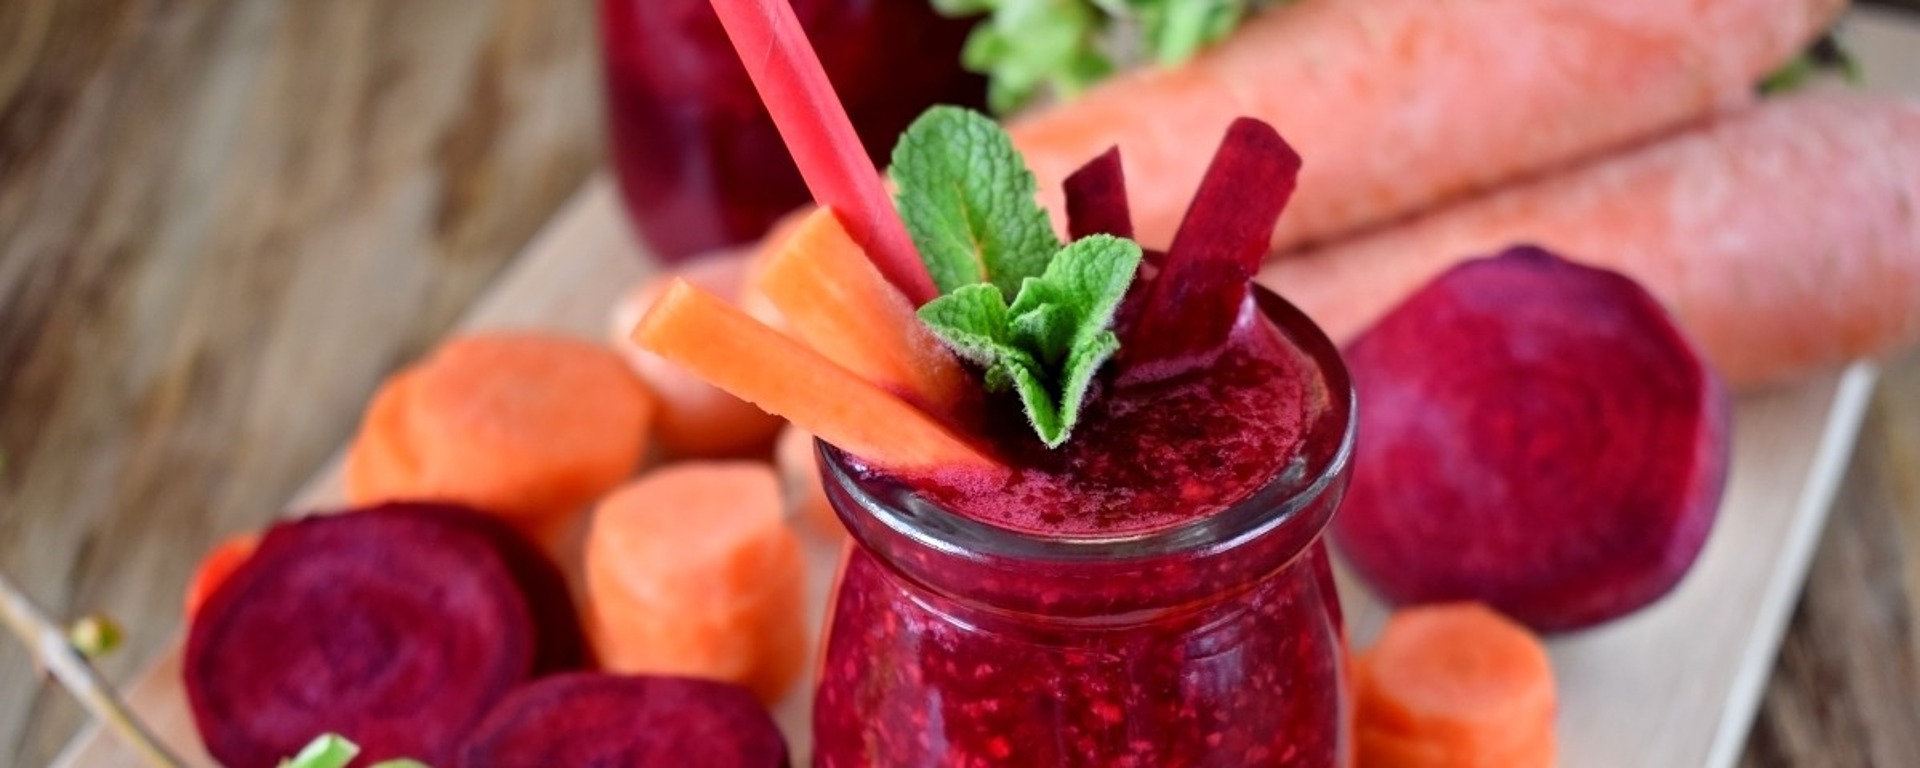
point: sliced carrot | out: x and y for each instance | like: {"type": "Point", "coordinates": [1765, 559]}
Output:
{"type": "Point", "coordinates": [1453, 686]}
{"type": "Point", "coordinates": [800, 481]}
{"type": "Point", "coordinates": [527, 426]}
{"type": "Point", "coordinates": [692, 570]}
{"type": "Point", "coordinates": [760, 365]}
{"type": "Point", "coordinates": [834, 299]}
{"type": "Point", "coordinates": [219, 563]}
{"type": "Point", "coordinates": [695, 418]}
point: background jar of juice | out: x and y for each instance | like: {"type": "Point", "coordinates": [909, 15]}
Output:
{"type": "Point", "coordinates": [699, 162]}
{"type": "Point", "coordinates": [1216, 640]}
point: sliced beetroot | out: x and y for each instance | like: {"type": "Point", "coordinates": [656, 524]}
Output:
{"type": "Point", "coordinates": [1097, 199]}
{"type": "Point", "coordinates": [561, 641]}
{"type": "Point", "coordinates": [1535, 435]}
{"type": "Point", "coordinates": [590, 720]}
{"type": "Point", "coordinates": [396, 627]}
{"type": "Point", "coordinates": [1202, 287]}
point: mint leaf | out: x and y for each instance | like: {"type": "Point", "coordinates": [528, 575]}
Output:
{"type": "Point", "coordinates": [968, 200]}
{"type": "Point", "coordinates": [972, 321]}
{"type": "Point", "coordinates": [1050, 342]}
{"type": "Point", "coordinates": [1081, 289]}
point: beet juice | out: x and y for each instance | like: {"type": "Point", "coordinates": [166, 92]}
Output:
{"type": "Point", "coordinates": [1154, 593]}
{"type": "Point", "coordinates": [698, 159]}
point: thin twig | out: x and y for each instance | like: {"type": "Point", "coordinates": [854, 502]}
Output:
{"type": "Point", "coordinates": [49, 646]}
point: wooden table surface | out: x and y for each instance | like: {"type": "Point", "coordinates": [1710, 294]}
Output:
{"type": "Point", "coordinates": [221, 221]}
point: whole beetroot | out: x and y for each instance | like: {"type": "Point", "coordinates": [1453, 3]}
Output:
{"type": "Point", "coordinates": [1536, 435]}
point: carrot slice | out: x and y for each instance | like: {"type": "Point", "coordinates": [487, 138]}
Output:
{"type": "Point", "coordinates": [219, 563]}
{"type": "Point", "coordinates": [1454, 685]}
{"type": "Point", "coordinates": [760, 365]}
{"type": "Point", "coordinates": [800, 481]}
{"type": "Point", "coordinates": [692, 570]}
{"type": "Point", "coordinates": [794, 86]}
{"type": "Point", "coordinates": [526, 426]}
{"type": "Point", "coordinates": [695, 419]}
{"type": "Point", "coordinates": [834, 299]}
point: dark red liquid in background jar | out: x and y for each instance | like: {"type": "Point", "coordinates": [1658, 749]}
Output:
{"type": "Point", "coordinates": [698, 159]}
{"type": "Point", "coordinates": [1154, 594]}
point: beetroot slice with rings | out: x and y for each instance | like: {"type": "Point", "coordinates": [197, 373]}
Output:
{"type": "Point", "coordinates": [395, 627]}
{"type": "Point", "coordinates": [1536, 435]}
{"type": "Point", "coordinates": [561, 640]}
{"type": "Point", "coordinates": [614, 721]}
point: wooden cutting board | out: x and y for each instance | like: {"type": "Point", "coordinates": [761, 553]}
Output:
{"type": "Point", "coordinates": [1673, 686]}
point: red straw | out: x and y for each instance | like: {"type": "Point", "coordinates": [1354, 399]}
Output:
{"type": "Point", "coordinates": [794, 86]}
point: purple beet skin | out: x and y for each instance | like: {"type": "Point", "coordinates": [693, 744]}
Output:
{"type": "Point", "coordinates": [1536, 435]}
{"type": "Point", "coordinates": [396, 627]}
{"type": "Point", "coordinates": [615, 721]}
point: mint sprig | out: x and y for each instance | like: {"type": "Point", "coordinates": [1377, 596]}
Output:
{"type": "Point", "coordinates": [1035, 316]}
{"type": "Point", "coordinates": [1027, 46]}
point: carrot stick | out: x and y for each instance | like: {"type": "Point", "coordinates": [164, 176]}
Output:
{"type": "Point", "coordinates": [692, 570]}
{"type": "Point", "coordinates": [787, 73]}
{"type": "Point", "coordinates": [695, 419]}
{"type": "Point", "coordinates": [530, 427]}
{"type": "Point", "coordinates": [760, 365]}
{"type": "Point", "coordinates": [1397, 105]}
{"type": "Point", "coordinates": [219, 563]}
{"type": "Point", "coordinates": [1454, 686]}
{"type": "Point", "coordinates": [1784, 237]}
{"type": "Point", "coordinates": [833, 299]}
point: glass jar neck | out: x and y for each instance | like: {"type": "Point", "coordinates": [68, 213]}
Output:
{"type": "Point", "coordinates": [1082, 579]}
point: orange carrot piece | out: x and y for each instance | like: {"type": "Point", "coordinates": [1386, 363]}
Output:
{"type": "Point", "coordinates": [800, 481]}
{"type": "Point", "coordinates": [692, 570]}
{"type": "Point", "coordinates": [1783, 238]}
{"type": "Point", "coordinates": [834, 300]}
{"type": "Point", "coordinates": [1398, 105]}
{"type": "Point", "coordinates": [794, 86]}
{"type": "Point", "coordinates": [218, 564]}
{"type": "Point", "coordinates": [527, 426]}
{"type": "Point", "coordinates": [695, 419]}
{"type": "Point", "coordinates": [760, 365]}
{"type": "Point", "coordinates": [1453, 686]}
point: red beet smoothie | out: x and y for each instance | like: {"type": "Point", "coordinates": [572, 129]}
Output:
{"type": "Point", "coordinates": [1154, 594]}
{"type": "Point", "coordinates": [698, 159]}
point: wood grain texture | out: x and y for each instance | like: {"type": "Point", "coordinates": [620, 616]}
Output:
{"type": "Point", "coordinates": [212, 209]}
{"type": "Point", "coordinates": [220, 222]}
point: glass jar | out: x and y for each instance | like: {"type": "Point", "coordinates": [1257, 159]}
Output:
{"type": "Point", "coordinates": [1214, 642]}
{"type": "Point", "coordinates": [699, 162]}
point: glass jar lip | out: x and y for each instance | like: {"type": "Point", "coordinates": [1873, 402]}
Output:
{"type": "Point", "coordinates": [907, 513]}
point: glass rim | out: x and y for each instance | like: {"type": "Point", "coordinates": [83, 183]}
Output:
{"type": "Point", "coordinates": [910, 515]}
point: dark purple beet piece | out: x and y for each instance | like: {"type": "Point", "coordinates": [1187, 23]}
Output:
{"type": "Point", "coordinates": [1536, 435]}
{"type": "Point", "coordinates": [1097, 199]}
{"type": "Point", "coordinates": [561, 639]}
{"type": "Point", "coordinates": [1203, 286]}
{"type": "Point", "coordinates": [615, 721]}
{"type": "Point", "coordinates": [397, 628]}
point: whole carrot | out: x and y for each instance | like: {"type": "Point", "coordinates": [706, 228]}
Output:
{"type": "Point", "coordinates": [1785, 237]}
{"type": "Point", "coordinates": [1400, 104]}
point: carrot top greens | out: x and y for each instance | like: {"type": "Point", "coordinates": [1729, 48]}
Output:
{"type": "Point", "coordinates": [1027, 45]}
{"type": "Point", "coordinates": [1035, 315]}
